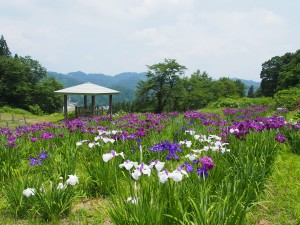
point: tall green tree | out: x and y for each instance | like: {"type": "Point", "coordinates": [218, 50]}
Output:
{"type": "Point", "coordinates": [251, 92]}
{"type": "Point", "coordinates": [15, 89]}
{"type": "Point", "coordinates": [45, 97]}
{"type": "Point", "coordinates": [163, 86]}
{"type": "Point", "coordinates": [289, 75]}
{"type": "Point", "coordinates": [241, 88]}
{"type": "Point", "coordinates": [34, 70]}
{"type": "Point", "coordinates": [225, 88]}
{"type": "Point", "coordinates": [198, 88]}
{"type": "Point", "coordinates": [4, 50]}
{"type": "Point", "coordinates": [272, 81]}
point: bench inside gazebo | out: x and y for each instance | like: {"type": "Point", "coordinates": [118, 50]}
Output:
{"type": "Point", "coordinates": [87, 89]}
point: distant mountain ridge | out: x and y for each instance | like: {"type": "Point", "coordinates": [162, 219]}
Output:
{"type": "Point", "coordinates": [125, 83]}
{"type": "Point", "coordinates": [127, 80]}
{"type": "Point", "coordinates": [248, 83]}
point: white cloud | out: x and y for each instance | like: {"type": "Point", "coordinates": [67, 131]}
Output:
{"type": "Point", "coordinates": [100, 36]}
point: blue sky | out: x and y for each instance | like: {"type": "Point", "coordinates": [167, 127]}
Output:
{"type": "Point", "coordinates": [225, 38]}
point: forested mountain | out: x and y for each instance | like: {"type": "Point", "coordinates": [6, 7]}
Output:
{"type": "Point", "coordinates": [127, 80]}
{"type": "Point", "coordinates": [125, 83]}
{"type": "Point", "coordinates": [248, 83]}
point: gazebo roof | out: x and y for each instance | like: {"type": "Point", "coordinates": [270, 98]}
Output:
{"type": "Point", "coordinates": [87, 89]}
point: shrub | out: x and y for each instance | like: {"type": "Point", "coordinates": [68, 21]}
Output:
{"type": "Point", "coordinates": [287, 98]}
{"type": "Point", "coordinates": [241, 102]}
{"type": "Point", "coordinates": [226, 102]}
{"type": "Point", "coordinates": [36, 110]}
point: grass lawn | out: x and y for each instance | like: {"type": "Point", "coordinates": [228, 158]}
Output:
{"type": "Point", "coordinates": [280, 203]}
{"type": "Point", "coordinates": [13, 120]}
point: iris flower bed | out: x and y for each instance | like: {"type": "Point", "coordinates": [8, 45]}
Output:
{"type": "Point", "coordinates": [192, 168]}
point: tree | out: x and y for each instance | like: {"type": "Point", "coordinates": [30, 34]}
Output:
{"type": "Point", "coordinates": [251, 92]}
{"type": "Point", "coordinates": [225, 88]}
{"type": "Point", "coordinates": [271, 71]}
{"type": "Point", "coordinates": [4, 50]}
{"type": "Point", "coordinates": [290, 73]}
{"type": "Point", "coordinates": [241, 87]}
{"type": "Point", "coordinates": [34, 70]}
{"type": "Point", "coordinates": [163, 86]}
{"type": "Point", "coordinates": [15, 89]}
{"type": "Point", "coordinates": [198, 88]}
{"type": "Point", "coordinates": [23, 83]}
{"type": "Point", "coordinates": [45, 97]}
{"type": "Point", "coordinates": [258, 93]}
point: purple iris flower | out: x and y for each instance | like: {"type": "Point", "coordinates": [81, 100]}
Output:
{"type": "Point", "coordinates": [33, 139]}
{"type": "Point", "coordinates": [172, 148]}
{"type": "Point", "coordinates": [43, 155]}
{"type": "Point", "coordinates": [202, 172]}
{"type": "Point", "coordinates": [280, 137]}
{"type": "Point", "coordinates": [34, 161]}
{"type": "Point", "coordinates": [207, 162]}
{"type": "Point", "coordinates": [207, 165]}
{"type": "Point", "coordinates": [37, 161]}
{"type": "Point", "coordinates": [189, 168]}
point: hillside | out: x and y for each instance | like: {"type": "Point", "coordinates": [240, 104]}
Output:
{"type": "Point", "coordinates": [248, 83]}
{"type": "Point", "coordinates": [128, 80]}
{"type": "Point", "coordinates": [124, 82]}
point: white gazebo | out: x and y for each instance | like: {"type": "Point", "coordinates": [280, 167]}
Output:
{"type": "Point", "coordinates": [85, 90]}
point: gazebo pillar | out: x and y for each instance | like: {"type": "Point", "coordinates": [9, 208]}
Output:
{"type": "Point", "coordinates": [66, 106]}
{"type": "Point", "coordinates": [85, 101]}
{"type": "Point", "coordinates": [110, 106]}
{"type": "Point", "coordinates": [93, 105]}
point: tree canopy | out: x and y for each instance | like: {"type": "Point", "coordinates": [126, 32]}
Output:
{"type": "Point", "coordinates": [4, 50]}
{"type": "Point", "coordinates": [23, 83]}
{"type": "Point", "coordinates": [279, 73]}
{"type": "Point", "coordinates": [167, 89]}
{"type": "Point", "coordinates": [163, 85]}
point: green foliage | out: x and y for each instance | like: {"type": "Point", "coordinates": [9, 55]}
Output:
{"type": "Point", "coordinates": [293, 140]}
{"type": "Point", "coordinates": [183, 93]}
{"type": "Point", "coordinates": [123, 107]}
{"type": "Point", "coordinates": [103, 177]}
{"type": "Point", "coordinates": [225, 88]}
{"type": "Point", "coordinates": [251, 92]}
{"type": "Point", "coordinates": [225, 102]}
{"type": "Point", "coordinates": [36, 110]}
{"type": "Point", "coordinates": [279, 203]}
{"type": "Point", "coordinates": [23, 83]}
{"type": "Point", "coordinates": [8, 109]}
{"type": "Point", "coordinates": [198, 91]}
{"type": "Point", "coordinates": [162, 86]}
{"type": "Point", "coordinates": [53, 203]}
{"type": "Point", "coordinates": [241, 102]}
{"type": "Point", "coordinates": [280, 72]}
{"type": "Point", "coordinates": [19, 205]}
{"type": "Point", "coordinates": [287, 98]}
{"type": "Point", "coordinates": [46, 98]}
{"type": "Point", "coordinates": [4, 50]}
{"type": "Point", "coordinates": [241, 87]}
{"type": "Point", "coordinates": [289, 75]}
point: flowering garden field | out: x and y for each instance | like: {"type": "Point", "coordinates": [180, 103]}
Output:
{"type": "Point", "coordinates": [191, 168]}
